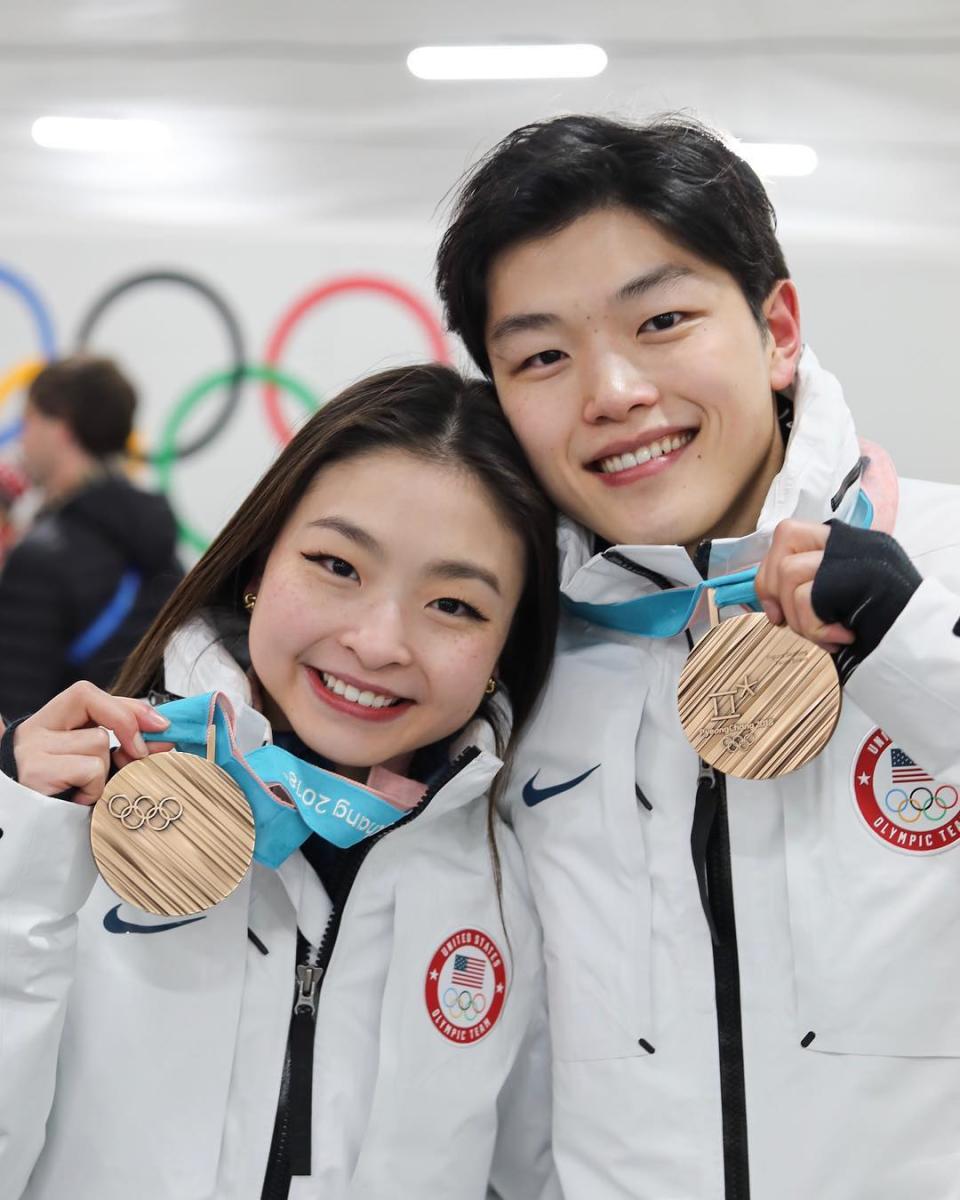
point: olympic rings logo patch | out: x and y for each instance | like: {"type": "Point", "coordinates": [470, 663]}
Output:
{"type": "Point", "coordinates": [900, 802]}
{"type": "Point", "coordinates": [158, 815]}
{"type": "Point", "coordinates": [465, 987]}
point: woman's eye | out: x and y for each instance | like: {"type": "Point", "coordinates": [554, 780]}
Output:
{"type": "Point", "coordinates": [336, 566]}
{"type": "Point", "coordinates": [661, 322]}
{"type": "Point", "coordinates": [457, 608]}
{"type": "Point", "coordinates": [544, 358]}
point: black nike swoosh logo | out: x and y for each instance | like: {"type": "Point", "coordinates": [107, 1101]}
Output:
{"type": "Point", "coordinates": [114, 923]}
{"type": "Point", "coordinates": [534, 795]}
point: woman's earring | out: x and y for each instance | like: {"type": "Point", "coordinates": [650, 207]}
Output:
{"type": "Point", "coordinates": [491, 686]}
{"type": "Point", "coordinates": [249, 600]}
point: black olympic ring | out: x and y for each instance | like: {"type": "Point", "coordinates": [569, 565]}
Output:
{"type": "Point", "coordinates": [155, 811]}
{"type": "Point", "coordinates": [916, 807]}
{"type": "Point", "coordinates": [234, 336]}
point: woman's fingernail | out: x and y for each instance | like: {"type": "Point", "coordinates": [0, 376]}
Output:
{"type": "Point", "coordinates": [773, 616]}
{"type": "Point", "coordinates": [158, 719]}
{"type": "Point", "coordinates": [140, 745]}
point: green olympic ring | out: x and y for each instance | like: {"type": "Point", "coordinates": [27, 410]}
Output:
{"type": "Point", "coordinates": [167, 453]}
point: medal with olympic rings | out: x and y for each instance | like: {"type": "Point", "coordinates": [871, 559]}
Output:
{"type": "Point", "coordinates": [173, 834]}
{"type": "Point", "coordinates": [756, 700]}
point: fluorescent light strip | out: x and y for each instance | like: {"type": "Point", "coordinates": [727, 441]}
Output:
{"type": "Point", "coordinates": [125, 135]}
{"type": "Point", "coordinates": [777, 158]}
{"type": "Point", "coordinates": [507, 62]}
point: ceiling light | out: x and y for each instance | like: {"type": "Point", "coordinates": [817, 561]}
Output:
{"type": "Point", "coordinates": [99, 134]}
{"type": "Point", "coordinates": [506, 62]}
{"type": "Point", "coordinates": [777, 158]}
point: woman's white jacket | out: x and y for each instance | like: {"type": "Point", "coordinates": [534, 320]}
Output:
{"type": "Point", "coordinates": [141, 1057]}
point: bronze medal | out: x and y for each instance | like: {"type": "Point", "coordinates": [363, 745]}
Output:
{"type": "Point", "coordinates": [757, 700]}
{"type": "Point", "coordinates": [172, 834]}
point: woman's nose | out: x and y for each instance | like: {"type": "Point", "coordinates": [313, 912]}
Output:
{"type": "Point", "coordinates": [378, 637]}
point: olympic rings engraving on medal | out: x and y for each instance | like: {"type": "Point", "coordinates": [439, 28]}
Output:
{"type": "Point", "coordinates": [156, 817]}
{"type": "Point", "coordinates": [234, 337]}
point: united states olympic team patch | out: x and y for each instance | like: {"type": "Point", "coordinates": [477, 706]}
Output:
{"type": "Point", "coordinates": [466, 986]}
{"type": "Point", "coordinates": [901, 803]}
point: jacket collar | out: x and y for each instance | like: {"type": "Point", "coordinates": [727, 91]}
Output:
{"type": "Point", "coordinates": [818, 472]}
{"type": "Point", "coordinates": [196, 661]}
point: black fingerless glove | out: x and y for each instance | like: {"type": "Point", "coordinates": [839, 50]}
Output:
{"type": "Point", "coordinates": [8, 762]}
{"type": "Point", "coordinates": [864, 582]}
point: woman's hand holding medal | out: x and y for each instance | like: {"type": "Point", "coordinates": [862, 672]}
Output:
{"type": "Point", "coordinates": [66, 745]}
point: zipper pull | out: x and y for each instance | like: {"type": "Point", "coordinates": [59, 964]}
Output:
{"type": "Point", "coordinates": [308, 984]}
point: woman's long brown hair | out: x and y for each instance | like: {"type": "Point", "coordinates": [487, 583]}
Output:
{"type": "Point", "coordinates": [429, 411]}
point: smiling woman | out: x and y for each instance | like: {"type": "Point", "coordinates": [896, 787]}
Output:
{"type": "Point", "coordinates": [378, 609]}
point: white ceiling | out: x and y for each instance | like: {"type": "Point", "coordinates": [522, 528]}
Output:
{"type": "Point", "coordinates": [290, 114]}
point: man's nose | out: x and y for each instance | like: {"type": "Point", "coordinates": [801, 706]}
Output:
{"type": "Point", "coordinates": [378, 636]}
{"type": "Point", "coordinates": [614, 385]}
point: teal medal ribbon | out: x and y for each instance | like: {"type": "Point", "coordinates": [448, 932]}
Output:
{"type": "Point", "coordinates": [289, 798]}
{"type": "Point", "coordinates": [666, 614]}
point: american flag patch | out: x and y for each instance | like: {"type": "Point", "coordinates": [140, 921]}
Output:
{"type": "Point", "coordinates": [905, 770]}
{"type": "Point", "coordinates": [468, 971]}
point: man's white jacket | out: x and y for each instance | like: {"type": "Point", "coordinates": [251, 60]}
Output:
{"type": "Point", "coordinates": [816, 1049]}
{"type": "Point", "coordinates": [141, 1058]}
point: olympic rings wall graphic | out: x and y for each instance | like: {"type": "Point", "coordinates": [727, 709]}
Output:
{"type": "Point", "coordinates": [228, 379]}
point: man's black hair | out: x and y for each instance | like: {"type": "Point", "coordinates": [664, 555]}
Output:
{"type": "Point", "coordinates": [674, 171]}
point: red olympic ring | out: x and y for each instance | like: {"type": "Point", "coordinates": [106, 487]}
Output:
{"type": "Point", "coordinates": [335, 287]}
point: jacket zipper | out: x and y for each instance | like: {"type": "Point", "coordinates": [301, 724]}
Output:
{"type": "Point", "coordinates": [291, 1147]}
{"type": "Point", "coordinates": [726, 975]}
{"type": "Point", "coordinates": [716, 877]}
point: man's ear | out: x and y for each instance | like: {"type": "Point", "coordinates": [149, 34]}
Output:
{"type": "Point", "coordinates": [784, 342]}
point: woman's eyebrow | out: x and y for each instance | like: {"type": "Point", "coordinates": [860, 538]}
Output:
{"type": "Point", "coordinates": [354, 533]}
{"type": "Point", "coordinates": [452, 568]}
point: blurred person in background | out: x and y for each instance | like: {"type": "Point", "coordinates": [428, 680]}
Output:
{"type": "Point", "coordinates": [13, 483]}
{"type": "Point", "coordinates": [98, 562]}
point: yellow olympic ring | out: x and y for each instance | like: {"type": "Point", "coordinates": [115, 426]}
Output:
{"type": "Point", "coordinates": [20, 376]}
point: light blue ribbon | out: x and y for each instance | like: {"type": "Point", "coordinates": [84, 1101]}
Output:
{"type": "Point", "coordinates": [667, 614]}
{"type": "Point", "coordinates": [289, 798]}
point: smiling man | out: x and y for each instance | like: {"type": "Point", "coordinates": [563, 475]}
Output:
{"type": "Point", "coordinates": [751, 980]}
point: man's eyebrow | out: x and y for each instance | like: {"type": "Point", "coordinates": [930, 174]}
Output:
{"type": "Point", "coordinates": [449, 568]}
{"type": "Point", "coordinates": [521, 323]}
{"type": "Point", "coordinates": [649, 280]}
{"type": "Point", "coordinates": [348, 530]}
{"type": "Point", "coordinates": [535, 321]}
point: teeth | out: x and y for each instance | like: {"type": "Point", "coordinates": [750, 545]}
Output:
{"type": "Point", "coordinates": [366, 699]}
{"type": "Point", "coordinates": [622, 462]}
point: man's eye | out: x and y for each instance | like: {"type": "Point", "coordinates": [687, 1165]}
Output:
{"type": "Point", "coordinates": [661, 322]}
{"type": "Point", "coordinates": [545, 358]}
{"type": "Point", "coordinates": [336, 566]}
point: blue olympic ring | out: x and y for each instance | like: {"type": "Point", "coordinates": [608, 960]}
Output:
{"type": "Point", "coordinates": [44, 326]}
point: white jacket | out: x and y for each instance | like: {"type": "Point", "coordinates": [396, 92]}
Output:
{"type": "Point", "coordinates": [847, 915]}
{"type": "Point", "coordinates": [139, 1063]}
